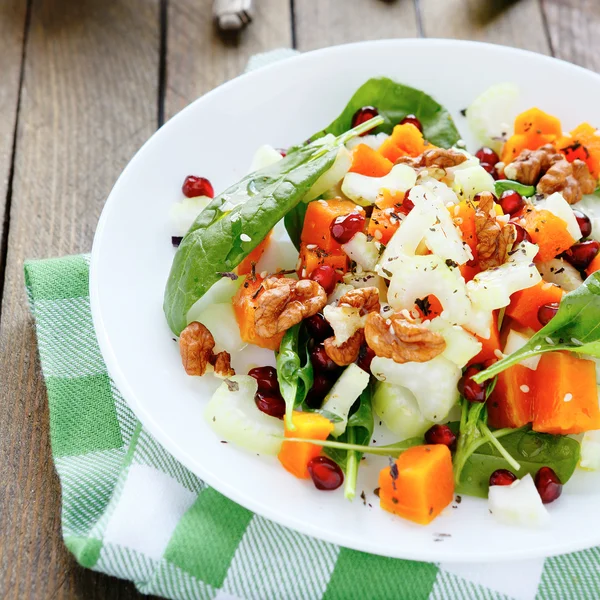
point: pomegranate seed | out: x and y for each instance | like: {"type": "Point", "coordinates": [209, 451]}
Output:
{"type": "Point", "coordinates": [325, 473]}
{"type": "Point", "coordinates": [197, 186]}
{"type": "Point", "coordinates": [325, 276]}
{"type": "Point", "coordinates": [487, 155]}
{"type": "Point", "coordinates": [272, 405]}
{"type": "Point", "coordinates": [547, 312]}
{"type": "Point", "coordinates": [490, 168]}
{"type": "Point", "coordinates": [473, 392]}
{"type": "Point", "coordinates": [282, 151]}
{"type": "Point", "coordinates": [548, 485]}
{"type": "Point", "coordinates": [412, 119]}
{"type": "Point", "coordinates": [581, 254]}
{"type": "Point", "coordinates": [502, 477]}
{"type": "Point", "coordinates": [344, 228]}
{"type": "Point", "coordinates": [522, 235]}
{"type": "Point", "coordinates": [511, 202]}
{"type": "Point", "coordinates": [407, 203]}
{"type": "Point", "coordinates": [584, 223]}
{"type": "Point", "coordinates": [440, 434]}
{"type": "Point", "coordinates": [266, 377]}
{"type": "Point", "coordinates": [321, 362]}
{"type": "Point", "coordinates": [365, 357]}
{"type": "Point", "coordinates": [320, 388]}
{"type": "Point", "coordinates": [318, 327]}
{"type": "Point", "coordinates": [364, 114]}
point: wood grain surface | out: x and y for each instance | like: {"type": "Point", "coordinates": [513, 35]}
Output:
{"type": "Point", "coordinates": [98, 76]}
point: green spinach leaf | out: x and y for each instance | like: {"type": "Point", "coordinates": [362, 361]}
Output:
{"type": "Point", "coordinates": [294, 222]}
{"type": "Point", "coordinates": [507, 184]}
{"type": "Point", "coordinates": [576, 327]}
{"type": "Point", "coordinates": [294, 369]}
{"type": "Point", "coordinates": [394, 101]}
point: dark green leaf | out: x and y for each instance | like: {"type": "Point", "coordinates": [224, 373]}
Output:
{"type": "Point", "coordinates": [576, 327]}
{"type": "Point", "coordinates": [507, 184]}
{"type": "Point", "coordinates": [294, 221]}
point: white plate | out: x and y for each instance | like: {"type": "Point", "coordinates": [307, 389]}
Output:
{"type": "Point", "coordinates": [216, 136]}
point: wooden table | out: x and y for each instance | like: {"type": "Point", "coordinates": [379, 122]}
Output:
{"type": "Point", "coordinates": [82, 85]}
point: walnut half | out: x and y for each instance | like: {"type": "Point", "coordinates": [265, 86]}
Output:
{"type": "Point", "coordinates": [196, 344]}
{"type": "Point", "coordinates": [346, 353]}
{"type": "Point", "coordinates": [402, 339]}
{"type": "Point", "coordinates": [494, 242]}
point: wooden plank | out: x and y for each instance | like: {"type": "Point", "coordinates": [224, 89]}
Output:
{"type": "Point", "coordinates": [518, 24]}
{"type": "Point", "coordinates": [573, 27]}
{"type": "Point", "coordinates": [199, 58]}
{"type": "Point", "coordinates": [322, 23]}
{"type": "Point", "coordinates": [12, 30]}
{"type": "Point", "coordinates": [89, 101]}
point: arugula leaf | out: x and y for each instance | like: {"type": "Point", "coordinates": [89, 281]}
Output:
{"type": "Point", "coordinates": [394, 101]}
{"type": "Point", "coordinates": [358, 431]}
{"type": "Point", "coordinates": [508, 184]}
{"type": "Point", "coordinates": [294, 370]}
{"type": "Point", "coordinates": [532, 450]}
{"type": "Point", "coordinates": [576, 327]}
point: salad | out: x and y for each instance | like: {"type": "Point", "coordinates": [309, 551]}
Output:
{"type": "Point", "coordinates": [453, 298]}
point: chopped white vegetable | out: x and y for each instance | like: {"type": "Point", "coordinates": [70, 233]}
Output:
{"type": "Point", "coordinates": [365, 190]}
{"type": "Point", "coordinates": [590, 206]}
{"type": "Point", "coordinates": [367, 279]}
{"type": "Point", "coordinates": [264, 157]}
{"type": "Point", "coordinates": [518, 503]}
{"type": "Point", "coordinates": [339, 290]}
{"type": "Point", "coordinates": [233, 415]}
{"type": "Point", "coordinates": [221, 322]}
{"type": "Point", "coordinates": [561, 273]}
{"type": "Point", "coordinates": [433, 383]}
{"type": "Point", "coordinates": [184, 213]}
{"type": "Point", "coordinates": [332, 176]}
{"type": "Point", "coordinates": [343, 394]}
{"type": "Point", "coordinates": [373, 140]}
{"type": "Point", "coordinates": [560, 208]}
{"type": "Point", "coordinates": [461, 346]}
{"type": "Point", "coordinates": [221, 292]}
{"type": "Point", "coordinates": [590, 451]}
{"type": "Point", "coordinates": [362, 251]}
{"type": "Point", "coordinates": [344, 320]}
{"type": "Point", "coordinates": [399, 410]}
{"type": "Point", "coordinates": [515, 341]}
{"type": "Point", "coordinates": [471, 181]}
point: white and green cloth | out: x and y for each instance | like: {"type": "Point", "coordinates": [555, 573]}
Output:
{"type": "Point", "coordinates": [129, 509]}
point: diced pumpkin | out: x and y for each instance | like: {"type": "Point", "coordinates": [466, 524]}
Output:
{"type": "Point", "coordinates": [469, 271]}
{"type": "Point", "coordinates": [383, 224]}
{"type": "Point", "coordinates": [511, 402]}
{"type": "Point", "coordinates": [518, 142]}
{"type": "Point", "coordinates": [406, 140]}
{"type": "Point", "coordinates": [388, 199]}
{"type": "Point", "coordinates": [549, 232]}
{"type": "Point", "coordinates": [490, 347]}
{"type": "Point", "coordinates": [524, 305]}
{"type": "Point", "coordinates": [317, 221]}
{"type": "Point", "coordinates": [245, 267]}
{"type": "Point", "coordinates": [536, 121]}
{"type": "Point", "coordinates": [312, 257]}
{"type": "Point", "coordinates": [295, 456]}
{"type": "Point", "coordinates": [245, 303]}
{"type": "Point", "coordinates": [434, 307]}
{"type": "Point", "coordinates": [463, 215]}
{"type": "Point", "coordinates": [583, 143]}
{"type": "Point", "coordinates": [369, 162]}
{"type": "Point", "coordinates": [419, 485]}
{"type": "Point", "coordinates": [566, 399]}
{"type": "Point", "coordinates": [594, 265]}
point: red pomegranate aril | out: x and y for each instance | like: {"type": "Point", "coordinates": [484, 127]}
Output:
{"type": "Point", "coordinates": [318, 327]}
{"type": "Point", "coordinates": [581, 254]}
{"type": "Point", "coordinates": [473, 392]}
{"type": "Point", "coordinates": [325, 276]}
{"type": "Point", "coordinates": [282, 151]}
{"type": "Point", "coordinates": [522, 235]}
{"type": "Point", "coordinates": [197, 186]}
{"type": "Point", "coordinates": [320, 388]}
{"type": "Point", "coordinates": [407, 203]}
{"type": "Point", "coordinates": [502, 477]}
{"type": "Point", "coordinates": [344, 228]}
{"type": "Point", "coordinates": [364, 114]}
{"type": "Point", "coordinates": [412, 119]}
{"type": "Point", "coordinates": [325, 473]}
{"type": "Point", "coordinates": [266, 377]}
{"type": "Point", "coordinates": [321, 362]}
{"type": "Point", "coordinates": [584, 223]}
{"type": "Point", "coordinates": [547, 312]}
{"type": "Point", "coordinates": [272, 405]}
{"type": "Point", "coordinates": [548, 485]}
{"type": "Point", "coordinates": [365, 357]}
{"type": "Point", "coordinates": [490, 168]}
{"type": "Point", "coordinates": [487, 155]}
{"type": "Point", "coordinates": [511, 202]}
{"type": "Point", "coordinates": [440, 434]}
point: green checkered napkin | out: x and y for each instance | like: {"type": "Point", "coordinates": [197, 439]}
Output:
{"type": "Point", "coordinates": [132, 511]}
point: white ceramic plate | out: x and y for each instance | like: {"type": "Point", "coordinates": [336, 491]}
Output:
{"type": "Point", "coordinates": [216, 136]}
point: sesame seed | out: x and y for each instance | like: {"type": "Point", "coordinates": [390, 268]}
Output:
{"type": "Point", "coordinates": [536, 348]}
{"type": "Point", "coordinates": [245, 237]}
{"type": "Point", "coordinates": [549, 340]}
{"type": "Point", "coordinates": [546, 286]}
{"type": "Point", "coordinates": [388, 322]}
{"type": "Point", "coordinates": [576, 342]}
{"type": "Point", "coordinates": [378, 235]}
{"type": "Point", "coordinates": [263, 274]}
{"type": "Point", "coordinates": [498, 354]}
{"type": "Point", "coordinates": [456, 210]}
{"type": "Point", "coordinates": [568, 397]}
{"type": "Point", "coordinates": [311, 246]}
{"type": "Point", "coordinates": [524, 388]}
{"type": "Point", "coordinates": [303, 273]}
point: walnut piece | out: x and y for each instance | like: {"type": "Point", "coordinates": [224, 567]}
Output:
{"type": "Point", "coordinates": [284, 302]}
{"type": "Point", "coordinates": [222, 364]}
{"type": "Point", "coordinates": [572, 180]}
{"type": "Point", "coordinates": [196, 344]}
{"type": "Point", "coordinates": [434, 157]}
{"type": "Point", "coordinates": [364, 299]}
{"type": "Point", "coordinates": [402, 339]}
{"type": "Point", "coordinates": [494, 242]}
{"type": "Point", "coordinates": [345, 353]}
{"type": "Point", "coordinates": [530, 165]}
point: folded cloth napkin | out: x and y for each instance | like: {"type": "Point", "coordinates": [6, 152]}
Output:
{"type": "Point", "coordinates": [129, 509]}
